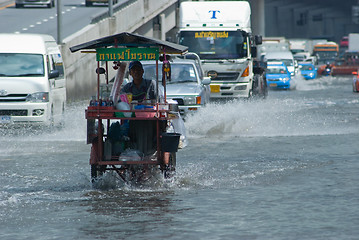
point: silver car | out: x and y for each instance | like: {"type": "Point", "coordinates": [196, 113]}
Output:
{"type": "Point", "coordinates": [187, 86]}
{"type": "Point", "coordinates": [22, 3]}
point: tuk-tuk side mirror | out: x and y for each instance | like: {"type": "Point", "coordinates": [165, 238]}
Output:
{"type": "Point", "coordinates": [100, 70]}
{"type": "Point", "coordinates": [206, 80]}
{"type": "Point", "coordinates": [54, 74]}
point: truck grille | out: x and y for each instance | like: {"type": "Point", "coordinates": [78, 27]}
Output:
{"type": "Point", "coordinates": [13, 112]}
{"type": "Point", "coordinates": [226, 76]}
{"type": "Point", "coordinates": [14, 98]}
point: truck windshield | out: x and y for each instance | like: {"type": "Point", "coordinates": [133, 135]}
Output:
{"type": "Point", "coordinates": [20, 64]}
{"type": "Point", "coordinates": [179, 72]}
{"type": "Point", "coordinates": [215, 44]}
{"type": "Point", "coordinates": [326, 57]}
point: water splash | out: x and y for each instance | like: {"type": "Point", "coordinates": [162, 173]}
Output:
{"type": "Point", "coordinates": [280, 115]}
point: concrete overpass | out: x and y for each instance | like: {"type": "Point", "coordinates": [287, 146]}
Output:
{"type": "Point", "coordinates": [158, 18]}
{"type": "Point", "coordinates": [153, 18]}
{"type": "Point", "coordinates": [330, 19]}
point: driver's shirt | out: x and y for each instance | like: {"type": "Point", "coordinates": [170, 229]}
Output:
{"type": "Point", "coordinates": [140, 93]}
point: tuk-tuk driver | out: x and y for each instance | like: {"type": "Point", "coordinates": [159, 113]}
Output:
{"type": "Point", "coordinates": [142, 133]}
{"type": "Point", "coordinates": [140, 88]}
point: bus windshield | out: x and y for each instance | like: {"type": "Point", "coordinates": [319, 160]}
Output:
{"type": "Point", "coordinates": [215, 44]}
{"type": "Point", "coordinates": [326, 57]}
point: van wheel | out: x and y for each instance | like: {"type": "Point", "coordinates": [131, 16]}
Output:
{"type": "Point", "coordinates": [88, 4]}
{"type": "Point", "coordinates": [18, 5]}
{"type": "Point", "coordinates": [62, 118]}
{"type": "Point", "coordinates": [52, 119]}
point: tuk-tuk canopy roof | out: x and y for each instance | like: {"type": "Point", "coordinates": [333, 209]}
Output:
{"type": "Point", "coordinates": [128, 40]}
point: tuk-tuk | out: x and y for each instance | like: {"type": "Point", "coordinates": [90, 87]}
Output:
{"type": "Point", "coordinates": [134, 139]}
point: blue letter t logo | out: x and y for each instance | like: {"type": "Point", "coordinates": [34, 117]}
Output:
{"type": "Point", "coordinates": [214, 13]}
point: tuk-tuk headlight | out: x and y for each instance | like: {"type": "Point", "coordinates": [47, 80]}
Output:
{"type": "Point", "coordinates": [38, 97]}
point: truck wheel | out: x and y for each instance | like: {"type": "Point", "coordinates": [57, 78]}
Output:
{"type": "Point", "coordinates": [250, 94]}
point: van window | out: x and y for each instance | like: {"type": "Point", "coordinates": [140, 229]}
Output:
{"type": "Point", "coordinates": [21, 64]}
{"type": "Point", "coordinates": [57, 64]}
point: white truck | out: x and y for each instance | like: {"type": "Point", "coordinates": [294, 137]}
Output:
{"type": "Point", "coordinates": [220, 33]}
{"type": "Point", "coordinates": [353, 42]}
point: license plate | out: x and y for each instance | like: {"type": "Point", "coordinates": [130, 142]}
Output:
{"type": "Point", "coordinates": [215, 88]}
{"type": "Point", "coordinates": [5, 119]}
{"type": "Point", "coordinates": [273, 85]}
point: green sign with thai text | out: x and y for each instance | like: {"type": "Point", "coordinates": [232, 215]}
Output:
{"type": "Point", "coordinates": [126, 54]}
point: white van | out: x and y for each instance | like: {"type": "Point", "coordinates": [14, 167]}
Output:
{"type": "Point", "coordinates": [283, 56]}
{"type": "Point", "coordinates": [32, 80]}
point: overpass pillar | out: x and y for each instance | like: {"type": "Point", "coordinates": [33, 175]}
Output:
{"type": "Point", "coordinates": [258, 16]}
{"type": "Point", "coordinates": [163, 26]}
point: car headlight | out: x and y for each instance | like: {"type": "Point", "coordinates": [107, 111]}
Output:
{"type": "Point", "coordinates": [38, 97]}
{"type": "Point", "coordinates": [192, 100]}
{"type": "Point", "coordinates": [284, 79]}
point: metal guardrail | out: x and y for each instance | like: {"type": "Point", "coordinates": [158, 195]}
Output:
{"type": "Point", "coordinates": [4, 3]}
{"type": "Point", "coordinates": [105, 13]}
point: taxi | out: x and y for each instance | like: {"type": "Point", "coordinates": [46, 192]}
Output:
{"type": "Point", "coordinates": [278, 76]}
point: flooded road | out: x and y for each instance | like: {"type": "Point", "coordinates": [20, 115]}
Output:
{"type": "Point", "coordinates": [281, 168]}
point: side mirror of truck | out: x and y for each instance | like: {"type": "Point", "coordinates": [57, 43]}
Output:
{"type": "Point", "coordinates": [206, 80]}
{"type": "Point", "coordinates": [258, 39]}
{"type": "Point", "coordinates": [54, 74]}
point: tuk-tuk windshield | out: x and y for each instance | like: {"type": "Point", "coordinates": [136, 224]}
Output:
{"type": "Point", "coordinates": [21, 65]}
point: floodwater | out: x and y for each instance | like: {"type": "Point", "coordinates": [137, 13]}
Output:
{"type": "Point", "coordinates": [281, 168]}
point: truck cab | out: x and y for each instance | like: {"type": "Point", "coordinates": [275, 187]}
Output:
{"type": "Point", "coordinates": [220, 33]}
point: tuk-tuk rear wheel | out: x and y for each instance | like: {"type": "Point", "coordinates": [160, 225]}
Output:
{"type": "Point", "coordinates": [97, 171]}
